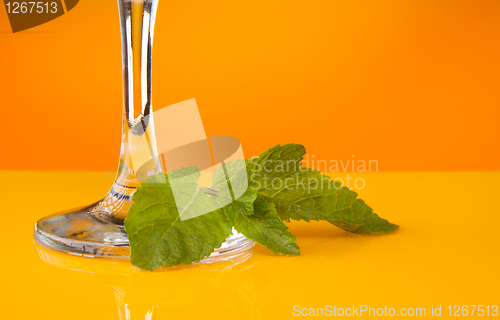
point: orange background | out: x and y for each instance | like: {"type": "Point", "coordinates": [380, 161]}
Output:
{"type": "Point", "coordinates": [412, 84]}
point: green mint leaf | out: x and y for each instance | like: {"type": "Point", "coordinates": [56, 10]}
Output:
{"type": "Point", "coordinates": [278, 190]}
{"type": "Point", "coordinates": [327, 200]}
{"type": "Point", "coordinates": [157, 235]}
{"type": "Point", "coordinates": [305, 194]}
{"type": "Point", "coordinates": [263, 225]}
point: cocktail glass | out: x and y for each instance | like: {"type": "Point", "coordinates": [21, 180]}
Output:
{"type": "Point", "coordinates": [97, 230]}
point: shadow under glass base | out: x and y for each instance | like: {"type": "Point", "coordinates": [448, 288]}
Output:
{"type": "Point", "coordinates": [78, 232]}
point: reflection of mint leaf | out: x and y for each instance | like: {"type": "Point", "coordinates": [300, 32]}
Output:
{"type": "Point", "coordinates": [255, 218]}
{"type": "Point", "coordinates": [158, 237]}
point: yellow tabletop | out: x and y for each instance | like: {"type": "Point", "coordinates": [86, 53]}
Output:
{"type": "Point", "coordinates": [445, 253]}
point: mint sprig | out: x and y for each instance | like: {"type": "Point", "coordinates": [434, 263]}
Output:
{"type": "Point", "coordinates": [307, 194]}
{"type": "Point", "coordinates": [258, 220]}
{"type": "Point", "coordinates": [159, 237]}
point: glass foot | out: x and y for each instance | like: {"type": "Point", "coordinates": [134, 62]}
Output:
{"type": "Point", "coordinates": [80, 232]}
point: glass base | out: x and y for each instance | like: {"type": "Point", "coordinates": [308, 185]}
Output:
{"type": "Point", "coordinates": [79, 232]}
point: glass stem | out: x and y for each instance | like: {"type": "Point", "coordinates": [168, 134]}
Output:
{"type": "Point", "coordinates": [137, 20]}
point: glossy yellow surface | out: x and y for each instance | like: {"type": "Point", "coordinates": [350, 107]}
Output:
{"type": "Point", "coordinates": [446, 252]}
